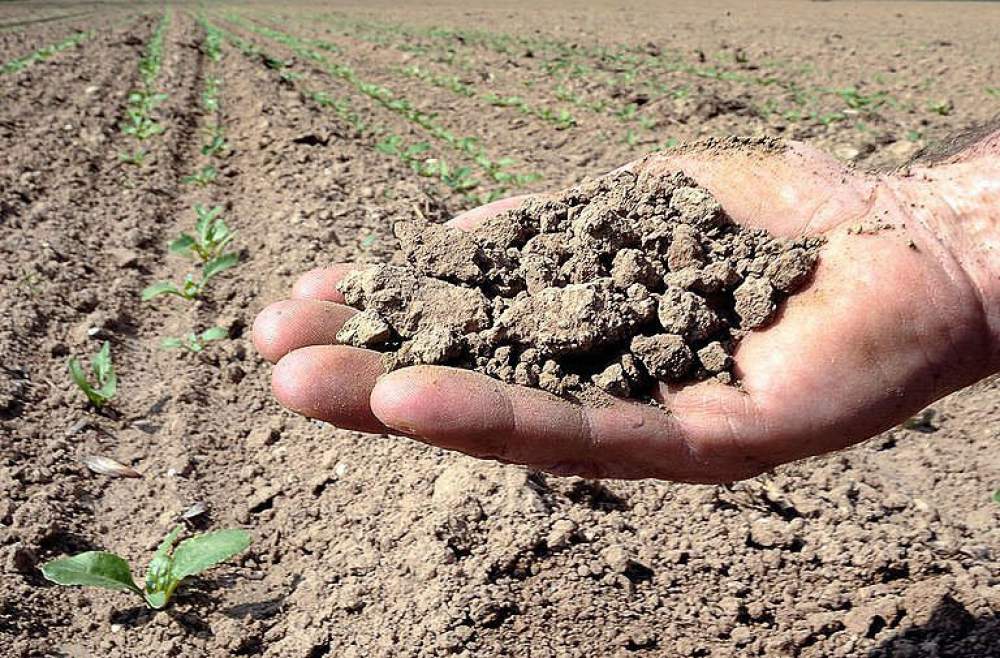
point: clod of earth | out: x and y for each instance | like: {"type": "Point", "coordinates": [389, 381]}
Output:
{"type": "Point", "coordinates": [619, 282]}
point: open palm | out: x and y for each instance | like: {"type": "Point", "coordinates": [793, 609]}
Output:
{"type": "Point", "coordinates": [886, 325]}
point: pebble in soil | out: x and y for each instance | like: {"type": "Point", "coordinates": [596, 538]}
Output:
{"type": "Point", "coordinates": [618, 282]}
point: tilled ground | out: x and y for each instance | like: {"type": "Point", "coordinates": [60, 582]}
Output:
{"type": "Point", "coordinates": [373, 545]}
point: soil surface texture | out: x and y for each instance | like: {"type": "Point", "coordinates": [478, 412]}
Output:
{"type": "Point", "coordinates": [616, 283]}
{"type": "Point", "coordinates": [377, 546]}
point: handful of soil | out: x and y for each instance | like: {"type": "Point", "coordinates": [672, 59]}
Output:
{"type": "Point", "coordinates": [615, 283]}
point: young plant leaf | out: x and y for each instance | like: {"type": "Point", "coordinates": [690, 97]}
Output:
{"type": "Point", "coordinates": [194, 555]}
{"type": "Point", "coordinates": [160, 288]}
{"type": "Point", "coordinates": [182, 245]}
{"type": "Point", "coordinates": [101, 366]}
{"type": "Point", "coordinates": [79, 377]}
{"type": "Point", "coordinates": [94, 569]}
{"type": "Point", "coordinates": [218, 265]}
{"type": "Point", "coordinates": [214, 333]}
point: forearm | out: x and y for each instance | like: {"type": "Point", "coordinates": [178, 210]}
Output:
{"type": "Point", "coordinates": [957, 205]}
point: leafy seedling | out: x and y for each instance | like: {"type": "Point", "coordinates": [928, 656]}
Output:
{"type": "Point", "coordinates": [944, 108]}
{"type": "Point", "coordinates": [210, 238]}
{"type": "Point", "coordinates": [104, 374]}
{"type": "Point", "coordinates": [193, 342]}
{"type": "Point", "coordinates": [216, 145]}
{"type": "Point", "coordinates": [166, 570]}
{"type": "Point", "coordinates": [203, 177]}
{"type": "Point", "coordinates": [191, 288]}
{"type": "Point", "coordinates": [136, 158]}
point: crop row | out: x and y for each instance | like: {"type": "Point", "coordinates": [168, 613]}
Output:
{"type": "Point", "coordinates": [44, 53]}
{"type": "Point", "coordinates": [140, 122]}
{"type": "Point", "coordinates": [497, 170]}
{"type": "Point", "coordinates": [628, 66]}
{"type": "Point", "coordinates": [44, 19]}
{"type": "Point", "coordinates": [207, 244]}
{"type": "Point", "coordinates": [460, 179]}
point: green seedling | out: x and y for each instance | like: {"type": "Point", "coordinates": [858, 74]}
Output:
{"type": "Point", "coordinates": [192, 288]}
{"type": "Point", "coordinates": [193, 342]}
{"type": "Point", "coordinates": [104, 374]}
{"type": "Point", "coordinates": [202, 177]}
{"type": "Point", "coordinates": [944, 108]}
{"type": "Point", "coordinates": [210, 238]}
{"type": "Point", "coordinates": [136, 158]}
{"type": "Point", "coordinates": [139, 124]}
{"type": "Point", "coordinates": [996, 496]}
{"type": "Point", "coordinates": [216, 143]}
{"type": "Point", "coordinates": [275, 63]}
{"type": "Point", "coordinates": [166, 570]}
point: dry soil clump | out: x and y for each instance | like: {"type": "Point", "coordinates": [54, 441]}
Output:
{"type": "Point", "coordinates": [616, 283]}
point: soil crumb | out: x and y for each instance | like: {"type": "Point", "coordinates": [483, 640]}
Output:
{"type": "Point", "coordinates": [616, 283]}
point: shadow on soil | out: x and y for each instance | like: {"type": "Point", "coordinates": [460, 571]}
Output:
{"type": "Point", "coordinates": [196, 601]}
{"type": "Point", "coordinates": [951, 632]}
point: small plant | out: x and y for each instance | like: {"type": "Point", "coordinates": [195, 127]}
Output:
{"type": "Point", "coordinates": [210, 238]}
{"type": "Point", "coordinates": [166, 570]}
{"type": "Point", "coordinates": [203, 177]}
{"type": "Point", "coordinates": [136, 158]}
{"type": "Point", "coordinates": [193, 342]}
{"type": "Point", "coordinates": [191, 288]}
{"type": "Point", "coordinates": [216, 142]}
{"type": "Point", "coordinates": [104, 373]}
{"type": "Point", "coordinates": [944, 108]}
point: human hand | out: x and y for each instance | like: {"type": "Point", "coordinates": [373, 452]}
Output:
{"type": "Point", "coordinates": [892, 320]}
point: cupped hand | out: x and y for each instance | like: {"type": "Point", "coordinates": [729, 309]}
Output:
{"type": "Point", "coordinates": [888, 323]}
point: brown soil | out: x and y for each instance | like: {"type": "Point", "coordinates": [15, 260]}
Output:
{"type": "Point", "coordinates": [616, 283]}
{"type": "Point", "coordinates": [379, 546]}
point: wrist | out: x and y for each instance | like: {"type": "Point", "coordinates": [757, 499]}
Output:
{"type": "Point", "coordinates": [955, 209]}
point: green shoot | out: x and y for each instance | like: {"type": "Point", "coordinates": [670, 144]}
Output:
{"type": "Point", "coordinates": [166, 570]}
{"type": "Point", "coordinates": [202, 177]}
{"type": "Point", "coordinates": [136, 158]}
{"type": "Point", "coordinates": [104, 373]}
{"type": "Point", "coordinates": [193, 342]}
{"type": "Point", "coordinates": [216, 142]}
{"type": "Point", "coordinates": [210, 239]}
{"type": "Point", "coordinates": [190, 287]}
{"type": "Point", "coordinates": [944, 108]}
